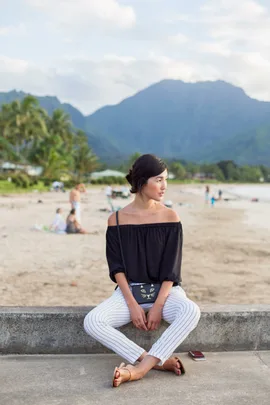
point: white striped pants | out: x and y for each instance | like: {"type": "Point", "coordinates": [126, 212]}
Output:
{"type": "Point", "coordinates": [182, 314]}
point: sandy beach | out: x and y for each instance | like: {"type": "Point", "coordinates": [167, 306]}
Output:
{"type": "Point", "coordinates": [226, 253]}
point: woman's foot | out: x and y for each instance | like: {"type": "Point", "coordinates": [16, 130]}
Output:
{"type": "Point", "coordinates": [172, 364]}
{"type": "Point", "coordinates": [125, 373]}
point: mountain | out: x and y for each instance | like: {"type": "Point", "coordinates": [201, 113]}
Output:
{"type": "Point", "coordinates": [187, 120]}
{"type": "Point", "coordinates": [251, 146]}
{"type": "Point", "coordinates": [102, 146]}
{"type": "Point", "coordinates": [203, 121]}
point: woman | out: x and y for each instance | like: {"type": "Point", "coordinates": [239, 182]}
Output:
{"type": "Point", "coordinates": [58, 224]}
{"type": "Point", "coordinates": [73, 225]}
{"type": "Point", "coordinates": [150, 236]}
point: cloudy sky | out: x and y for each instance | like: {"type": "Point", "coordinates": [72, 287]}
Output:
{"type": "Point", "coordinates": [95, 52]}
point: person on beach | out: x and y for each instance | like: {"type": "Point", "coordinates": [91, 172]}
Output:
{"type": "Point", "coordinates": [144, 254]}
{"type": "Point", "coordinates": [59, 224]}
{"type": "Point", "coordinates": [75, 199]}
{"type": "Point", "coordinates": [206, 194]}
{"type": "Point", "coordinates": [73, 225]}
{"type": "Point", "coordinates": [220, 195]}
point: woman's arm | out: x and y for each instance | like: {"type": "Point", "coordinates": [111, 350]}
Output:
{"type": "Point", "coordinates": [124, 287]}
{"type": "Point", "coordinates": [168, 269]}
{"type": "Point", "coordinates": [154, 315]}
{"type": "Point", "coordinates": [163, 293]}
{"type": "Point", "coordinates": [137, 314]}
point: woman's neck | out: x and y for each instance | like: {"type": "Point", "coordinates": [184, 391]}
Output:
{"type": "Point", "coordinates": [143, 203]}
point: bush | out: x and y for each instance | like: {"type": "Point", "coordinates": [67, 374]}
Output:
{"type": "Point", "coordinates": [3, 177]}
{"type": "Point", "coordinates": [69, 183]}
{"type": "Point", "coordinates": [47, 182]}
{"type": "Point", "coordinates": [21, 180]}
{"type": "Point", "coordinates": [109, 180]}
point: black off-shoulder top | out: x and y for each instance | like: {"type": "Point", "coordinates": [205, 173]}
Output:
{"type": "Point", "coordinates": [152, 252]}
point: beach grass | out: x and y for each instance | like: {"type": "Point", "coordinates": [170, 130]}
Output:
{"type": "Point", "coordinates": [7, 187]}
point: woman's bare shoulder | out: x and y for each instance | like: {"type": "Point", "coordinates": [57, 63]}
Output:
{"type": "Point", "coordinates": [170, 215]}
{"type": "Point", "coordinates": [112, 219]}
{"type": "Point", "coordinates": [124, 212]}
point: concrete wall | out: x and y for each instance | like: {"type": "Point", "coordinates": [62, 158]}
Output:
{"type": "Point", "coordinates": [36, 330]}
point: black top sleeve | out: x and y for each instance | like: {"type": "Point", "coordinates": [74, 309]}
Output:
{"type": "Point", "coordinates": [113, 254]}
{"type": "Point", "coordinates": [170, 266]}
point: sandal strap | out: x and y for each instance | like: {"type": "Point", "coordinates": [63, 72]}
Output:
{"type": "Point", "coordinates": [125, 368]}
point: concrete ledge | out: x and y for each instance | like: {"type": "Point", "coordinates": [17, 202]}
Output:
{"type": "Point", "coordinates": [59, 330]}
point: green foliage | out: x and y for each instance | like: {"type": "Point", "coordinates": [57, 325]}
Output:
{"type": "Point", "coordinates": [30, 135]}
{"type": "Point", "coordinates": [21, 180]}
{"type": "Point", "coordinates": [178, 170]}
{"type": "Point", "coordinates": [109, 180]}
{"type": "Point", "coordinates": [84, 159]}
{"type": "Point", "coordinates": [10, 187]}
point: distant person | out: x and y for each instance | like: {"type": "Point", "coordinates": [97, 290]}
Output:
{"type": "Point", "coordinates": [220, 194]}
{"type": "Point", "coordinates": [213, 200]}
{"type": "Point", "coordinates": [206, 195]}
{"type": "Point", "coordinates": [59, 224]}
{"type": "Point", "coordinates": [75, 199]}
{"type": "Point", "coordinates": [125, 193]}
{"type": "Point", "coordinates": [73, 225]}
{"type": "Point", "coordinates": [108, 191]}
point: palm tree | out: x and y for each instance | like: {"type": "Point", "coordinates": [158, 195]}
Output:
{"type": "Point", "coordinates": [85, 161]}
{"type": "Point", "coordinates": [24, 123]}
{"type": "Point", "coordinates": [61, 125]}
{"type": "Point", "coordinates": [7, 151]}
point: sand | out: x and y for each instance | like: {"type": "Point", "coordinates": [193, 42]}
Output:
{"type": "Point", "coordinates": [226, 253]}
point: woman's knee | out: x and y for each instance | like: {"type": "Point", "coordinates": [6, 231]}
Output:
{"type": "Point", "coordinates": [192, 310]}
{"type": "Point", "coordinates": [92, 322]}
{"type": "Point", "coordinates": [196, 312]}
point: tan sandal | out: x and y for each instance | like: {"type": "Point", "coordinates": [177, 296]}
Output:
{"type": "Point", "coordinates": [122, 366]}
{"type": "Point", "coordinates": [182, 368]}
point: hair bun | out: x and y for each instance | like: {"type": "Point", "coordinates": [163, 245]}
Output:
{"type": "Point", "coordinates": [129, 177]}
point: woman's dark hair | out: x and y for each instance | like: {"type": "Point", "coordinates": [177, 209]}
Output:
{"type": "Point", "coordinates": [58, 210]}
{"type": "Point", "coordinates": [143, 168]}
{"type": "Point", "coordinates": [72, 212]}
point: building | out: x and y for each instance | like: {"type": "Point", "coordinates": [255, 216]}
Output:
{"type": "Point", "coordinates": [14, 167]}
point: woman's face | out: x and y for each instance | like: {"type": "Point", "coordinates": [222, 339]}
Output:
{"type": "Point", "coordinates": [156, 186]}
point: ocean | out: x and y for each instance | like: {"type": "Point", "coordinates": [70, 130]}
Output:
{"type": "Point", "coordinates": [260, 191]}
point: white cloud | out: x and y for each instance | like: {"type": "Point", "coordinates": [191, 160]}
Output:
{"type": "Point", "coordinates": [86, 13]}
{"type": "Point", "coordinates": [223, 39]}
{"type": "Point", "coordinates": [178, 39]}
{"type": "Point", "coordinates": [13, 65]}
{"type": "Point", "coordinates": [9, 30]}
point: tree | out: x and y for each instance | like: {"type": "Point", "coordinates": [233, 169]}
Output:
{"type": "Point", "coordinates": [22, 122]}
{"type": "Point", "coordinates": [229, 169]}
{"type": "Point", "coordinates": [178, 170]}
{"type": "Point", "coordinates": [7, 151]}
{"type": "Point", "coordinates": [85, 161]}
{"type": "Point", "coordinates": [213, 170]}
{"type": "Point", "coordinates": [250, 174]}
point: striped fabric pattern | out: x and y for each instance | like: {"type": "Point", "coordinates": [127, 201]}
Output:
{"type": "Point", "coordinates": [179, 311]}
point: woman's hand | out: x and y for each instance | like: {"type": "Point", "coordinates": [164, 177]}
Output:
{"type": "Point", "coordinates": [138, 316]}
{"type": "Point", "coordinates": [154, 317]}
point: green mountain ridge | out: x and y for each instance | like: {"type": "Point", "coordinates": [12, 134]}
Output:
{"type": "Point", "coordinates": [184, 120]}
{"type": "Point", "coordinates": [203, 121]}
